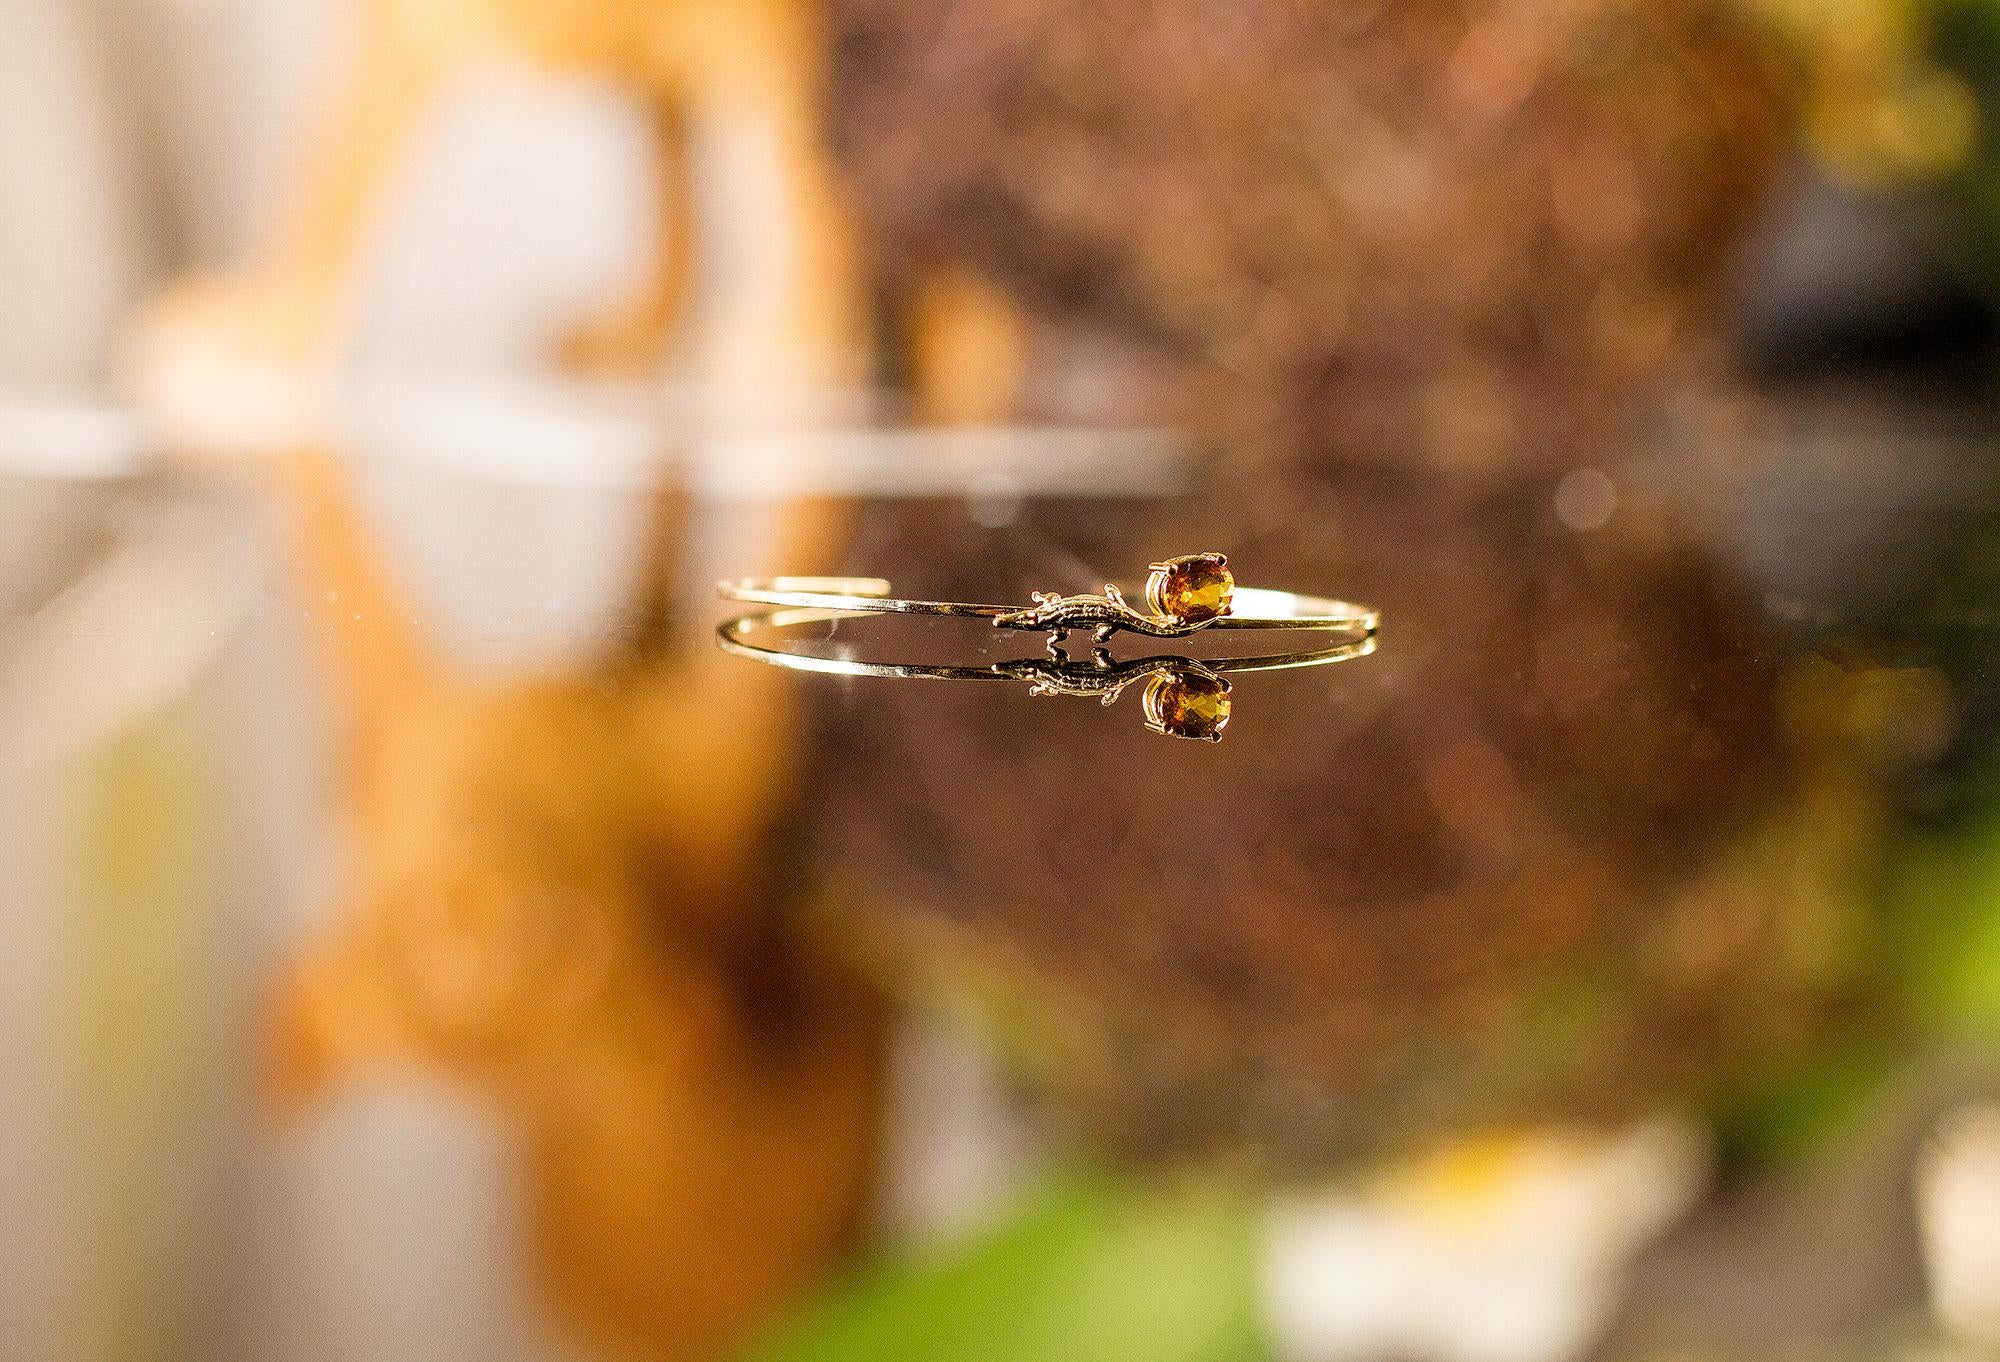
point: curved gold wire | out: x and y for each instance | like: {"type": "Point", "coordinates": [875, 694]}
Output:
{"type": "Point", "coordinates": [734, 637]}
{"type": "Point", "coordinates": [1185, 697]}
{"type": "Point", "coordinates": [1250, 607]}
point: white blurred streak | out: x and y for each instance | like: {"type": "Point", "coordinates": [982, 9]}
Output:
{"type": "Point", "coordinates": [954, 1145]}
{"type": "Point", "coordinates": [402, 1238]}
{"type": "Point", "coordinates": [71, 257]}
{"type": "Point", "coordinates": [526, 204]}
{"type": "Point", "coordinates": [1958, 1212]}
{"type": "Point", "coordinates": [53, 461]}
{"type": "Point", "coordinates": [68, 441]}
{"type": "Point", "coordinates": [120, 990]}
{"type": "Point", "coordinates": [1520, 1262]}
{"type": "Point", "coordinates": [959, 461]}
{"type": "Point", "coordinates": [733, 444]}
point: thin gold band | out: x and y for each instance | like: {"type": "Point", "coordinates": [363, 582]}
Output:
{"type": "Point", "coordinates": [734, 637]}
{"type": "Point", "coordinates": [1183, 697]}
{"type": "Point", "coordinates": [1250, 607]}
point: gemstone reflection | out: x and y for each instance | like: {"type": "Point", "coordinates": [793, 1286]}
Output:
{"type": "Point", "coordinates": [1188, 704]}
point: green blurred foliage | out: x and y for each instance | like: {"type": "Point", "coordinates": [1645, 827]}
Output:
{"type": "Point", "coordinates": [1904, 95]}
{"type": "Point", "coordinates": [1945, 891]}
{"type": "Point", "coordinates": [1088, 1268]}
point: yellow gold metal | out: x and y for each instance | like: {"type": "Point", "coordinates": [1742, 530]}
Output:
{"type": "Point", "coordinates": [1183, 698]}
{"type": "Point", "coordinates": [1183, 595]}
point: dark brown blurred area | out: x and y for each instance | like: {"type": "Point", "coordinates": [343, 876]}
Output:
{"type": "Point", "coordinates": [1572, 843]}
{"type": "Point", "coordinates": [1578, 839]}
{"type": "Point", "coordinates": [1410, 232]}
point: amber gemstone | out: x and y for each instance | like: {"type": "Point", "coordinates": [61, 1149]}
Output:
{"type": "Point", "coordinates": [1192, 590]}
{"type": "Point", "coordinates": [1188, 704]}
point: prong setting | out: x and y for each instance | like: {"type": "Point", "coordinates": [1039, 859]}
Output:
{"type": "Point", "coordinates": [1192, 589]}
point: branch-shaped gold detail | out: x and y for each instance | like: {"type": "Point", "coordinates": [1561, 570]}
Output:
{"type": "Point", "coordinates": [1183, 595]}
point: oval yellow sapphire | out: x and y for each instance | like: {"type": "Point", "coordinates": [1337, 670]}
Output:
{"type": "Point", "coordinates": [1192, 590]}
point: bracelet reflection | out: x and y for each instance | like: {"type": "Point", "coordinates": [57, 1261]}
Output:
{"type": "Point", "coordinates": [1182, 697]}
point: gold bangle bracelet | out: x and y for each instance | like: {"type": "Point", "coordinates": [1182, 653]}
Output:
{"type": "Point", "coordinates": [1184, 697]}
{"type": "Point", "coordinates": [1184, 595]}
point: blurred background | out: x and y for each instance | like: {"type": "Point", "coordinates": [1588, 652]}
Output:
{"type": "Point", "coordinates": [419, 941]}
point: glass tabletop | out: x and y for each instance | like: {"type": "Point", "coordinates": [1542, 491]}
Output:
{"type": "Point", "coordinates": [1661, 788]}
